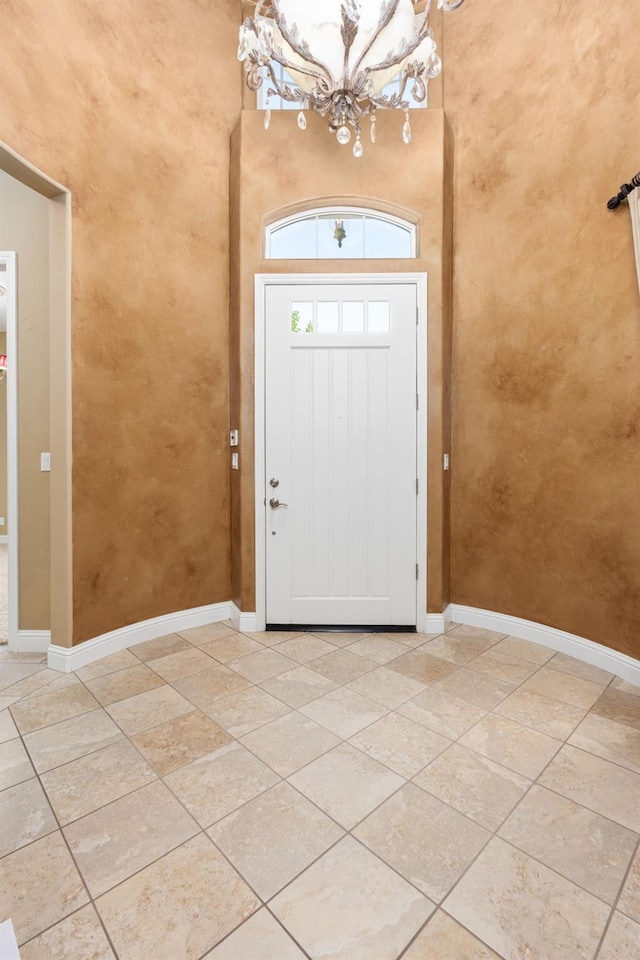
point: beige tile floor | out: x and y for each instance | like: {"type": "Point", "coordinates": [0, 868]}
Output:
{"type": "Point", "coordinates": [333, 797]}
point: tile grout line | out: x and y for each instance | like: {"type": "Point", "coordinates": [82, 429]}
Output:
{"type": "Point", "coordinates": [492, 834]}
{"type": "Point", "coordinates": [64, 919]}
{"type": "Point", "coordinates": [614, 907]}
{"type": "Point", "coordinates": [72, 857]}
{"type": "Point", "coordinates": [438, 910]}
{"type": "Point", "coordinates": [603, 816]}
{"type": "Point", "coordinates": [288, 933]}
{"type": "Point", "coordinates": [614, 763]}
{"type": "Point", "coordinates": [531, 785]}
{"type": "Point", "coordinates": [60, 829]}
{"type": "Point", "coordinates": [320, 810]}
{"type": "Point", "coordinates": [536, 782]}
{"type": "Point", "coordinates": [89, 753]}
{"type": "Point", "coordinates": [515, 847]}
{"type": "Point", "coordinates": [342, 740]}
{"type": "Point", "coordinates": [129, 737]}
{"type": "Point", "coordinates": [254, 685]}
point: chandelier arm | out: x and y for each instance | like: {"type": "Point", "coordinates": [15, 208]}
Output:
{"type": "Point", "coordinates": [301, 49]}
{"type": "Point", "coordinates": [349, 34]}
{"type": "Point", "coordinates": [403, 86]}
{"type": "Point", "coordinates": [395, 59]}
{"type": "Point", "coordinates": [387, 17]}
{"type": "Point", "coordinates": [416, 72]}
{"type": "Point", "coordinates": [280, 58]}
{"type": "Point", "coordinates": [288, 93]}
{"type": "Point", "coordinates": [254, 76]}
{"type": "Point", "coordinates": [419, 91]}
{"type": "Point", "coordinates": [389, 103]}
{"type": "Point", "coordinates": [410, 46]}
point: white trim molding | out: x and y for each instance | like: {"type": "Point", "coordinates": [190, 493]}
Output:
{"type": "Point", "coordinates": [634, 208]}
{"type": "Point", "coordinates": [32, 641]}
{"type": "Point", "coordinates": [67, 659]}
{"type": "Point", "coordinates": [582, 649]}
{"type": "Point", "coordinates": [10, 260]}
{"type": "Point", "coordinates": [432, 622]}
{"type": "Point", "coordinates": [244, 622]}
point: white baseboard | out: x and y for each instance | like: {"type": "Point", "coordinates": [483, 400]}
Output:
{"type": "Point", "coordinates": [31, 641]}
{"type": "Point", "coordinates": [244, 622]}
{"type": "Point", "coordinates": [587, 650]}
{"type": "Point", "coordinates": [432, 623]}
{"type": "Point", "coordinates": [67, 659]}
{"type": "Point", "coordinates": [3, 538]}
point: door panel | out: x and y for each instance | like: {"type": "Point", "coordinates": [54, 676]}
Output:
{"type": "Point", "coordinates": [341, 442]}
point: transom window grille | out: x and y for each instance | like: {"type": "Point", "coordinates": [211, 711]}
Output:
{"type": "Point", "coordinates": [348, 233]}
{"type": "Point", "coordinates": [277, 103]}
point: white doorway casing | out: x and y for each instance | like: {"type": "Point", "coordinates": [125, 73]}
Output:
{"type": "Point", "coordinates": [418, 284]}
{"type": "Point", "coordinates": [58, 634]}
{"type": "Point", "coordinates": [10, 275]}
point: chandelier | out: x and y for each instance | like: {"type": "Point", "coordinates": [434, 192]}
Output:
{"type": "Point", "coordinates": [340, 55]}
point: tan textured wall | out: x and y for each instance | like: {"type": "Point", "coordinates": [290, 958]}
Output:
{"type": "Point", "coordinates": [543, 102]}
{"type": "Point", "coordinates": [131, 106]}
{"type": "Point", "coordinates": [3, 442]}
{"type": "Point", "coordinates": [281, 167]}
{"type": "Point", "coordinates": [24, 228]}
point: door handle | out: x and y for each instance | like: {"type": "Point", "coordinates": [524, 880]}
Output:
{"type": "Point", "coordinates": [275, 503]}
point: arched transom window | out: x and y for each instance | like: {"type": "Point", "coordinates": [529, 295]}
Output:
{"type": "Point", "coordinates": [341, 233]}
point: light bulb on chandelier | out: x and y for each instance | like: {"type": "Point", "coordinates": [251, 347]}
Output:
{"type": "Point", "coordinates": [340, 55]}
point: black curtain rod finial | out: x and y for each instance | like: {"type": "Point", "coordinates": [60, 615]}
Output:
{"type": "Point", "coordinates": [625, 190]}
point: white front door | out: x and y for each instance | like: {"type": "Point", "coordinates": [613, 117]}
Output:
{"type": "Point", "coordinates": [340, 454]}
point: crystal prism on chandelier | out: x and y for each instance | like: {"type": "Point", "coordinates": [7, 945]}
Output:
{"type": "Point", "coordinates": [340, 56]}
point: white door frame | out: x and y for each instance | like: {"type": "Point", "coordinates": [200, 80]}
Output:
{"type": "Point", "coordinates": [264, 280]}
{"type": "Point", "coordinates": [10, 261]}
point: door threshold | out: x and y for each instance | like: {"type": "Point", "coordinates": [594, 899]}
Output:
{"type": "Point", "coordinates": [342, 627]}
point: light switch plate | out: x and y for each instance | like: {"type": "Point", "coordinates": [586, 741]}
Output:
{"type": "Point", "coordinates": [45, 462]}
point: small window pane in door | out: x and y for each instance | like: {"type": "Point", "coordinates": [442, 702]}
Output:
{"type": "Point", "coordinates": [328, 316]}
{"type": "Point", "coordinates": [333, 245]}
{"type": "Point", "coordinates": [302, 317]}
{"type": "Point", "coordinates": [385, 240]}
{"type": "Point", "coordinates": [353, 316]}
{"type": "Point", "coordinates": [379, 316]}
{"type": "Point", "coordinates": [294, 241]}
